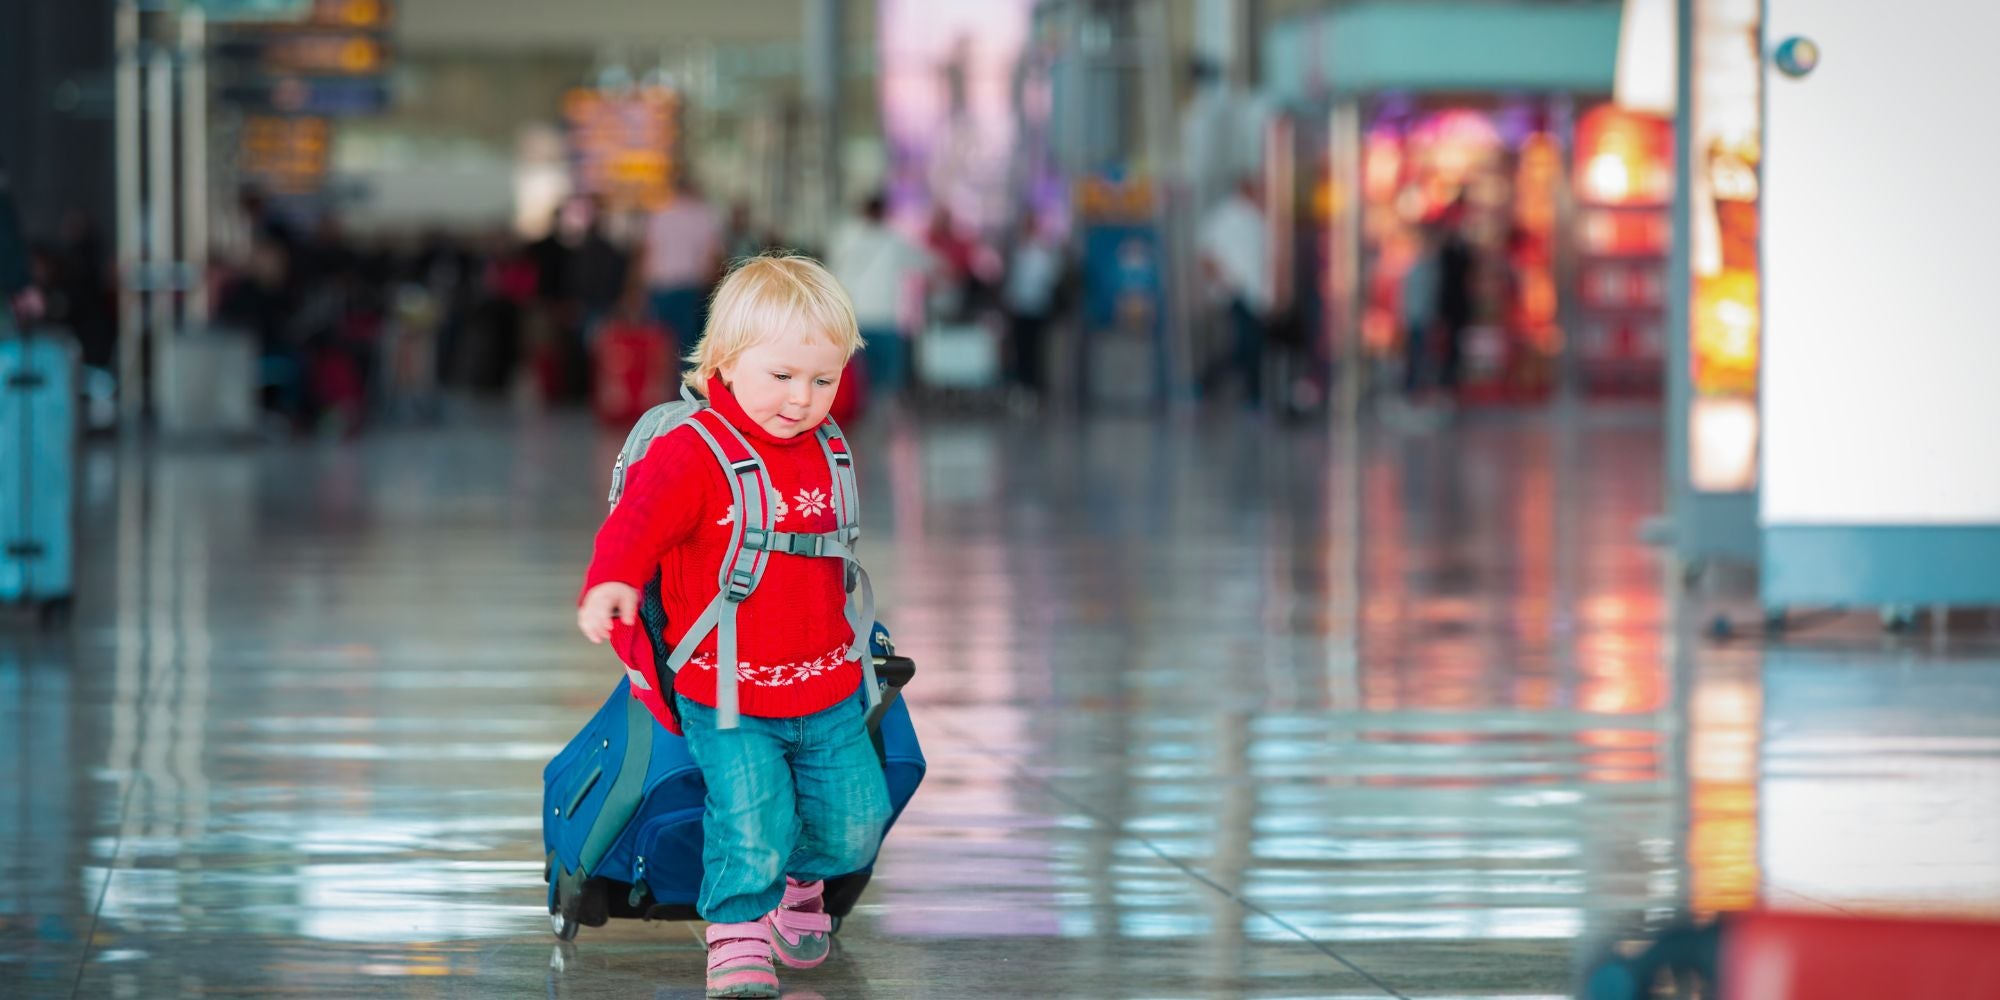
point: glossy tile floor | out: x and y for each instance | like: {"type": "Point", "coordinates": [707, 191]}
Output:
{"type": "Point", "coordinates": [1212, 710]}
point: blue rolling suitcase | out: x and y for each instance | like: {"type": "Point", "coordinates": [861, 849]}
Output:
{"type": "Point", "coordinates": [38, 444]}
{"type": "Point", "coordinates": [622, 808]}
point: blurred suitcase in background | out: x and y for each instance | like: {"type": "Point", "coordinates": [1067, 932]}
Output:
{"type": "Point", "coordinates": [1774, 955]}
{"type": "Point", "coordinates": [850, 402]}
{"type": "Point", "coordinates": [958, 356]}
{"type": "Point", "coordinates": [209, 382]}
{"type": "Point", "coordinates": [38, 444]}
{"type": "Point", "coordinates": [633, 371]}
{"type": "Point", "coordinates": [409, 355]}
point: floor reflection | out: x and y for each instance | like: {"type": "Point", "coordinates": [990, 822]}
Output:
{"type": "Point", "coordinates": [1212, 709]}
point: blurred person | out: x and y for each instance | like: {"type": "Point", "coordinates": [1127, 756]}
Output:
{"type": "Point", "coordinates": [261, 300]}
{"type": "Point", "coordinates": [961, 266]}
{"type": "Point", "coordinates": [600, 272]}
{"type": "Point", "coordinates": [554, 327]}
{"type": "Point", "coordinates": [266, 222]}
{"type": "Point", "coordinates": [681, 253]}
{"type": "Point", "coordinates": [84, 280]}
{"type": "Point", "coordinates": [324, 257]}
{"type": "Point", "coordinates": [745, 238]}
{"type": "Point", "coordinates": [30, 292]}
{"type": "Point", "coordinates": [1234, 245]}
{"type": "Point", "coordinates": [14, 275]}
{"type": "Point", "coordinates": [1456, 272]}
{"type": "Point", "coordinates": [488, 350]}
{"type": "Point", "coordinates": [1035, 272]}
{"type": "Point", "coordinates": [20, 292]}
{"type": "Point", "coordinates": [877, 265]}
{"type": "Point", "coordinates": [452, 274]}
{"type": "Point", "coordinates": [551, 257]}
{"type": "Point", "coordinates": [1419, 294]}
{"type": "Point", "coordinates": [796, 794]}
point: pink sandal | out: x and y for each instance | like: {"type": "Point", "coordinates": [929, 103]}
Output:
{"type": "Point", "coordinates": [739, 961]}
{"type": "Point", "coordinates": [801, 932]}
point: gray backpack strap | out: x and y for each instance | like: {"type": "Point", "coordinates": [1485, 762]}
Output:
{"type": "Point", "coordinates": [847, 517]}
{"type": "Point", "coordinates": [862, 618]}
{"type": "Point", "coordinates": [846, 493]}
{"type": "Point", "coordinates": [655, 422]}
{"type": "Point", "coordinates": [742, 570]}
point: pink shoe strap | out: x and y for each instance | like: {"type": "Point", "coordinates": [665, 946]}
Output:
{"type": "Point", "coordinates": [802, 892]}
{"type": "Point", "coordinates": [739, 953]}
{"type": "Point", "coordinates": [728, 953]}
{"type": "Point", "coordinates": [753, 932]}
{"type": "Point", "coordinates": [797, 922]}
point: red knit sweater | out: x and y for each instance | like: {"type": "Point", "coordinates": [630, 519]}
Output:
{"type": "Point", "coordinates": [674, 517]}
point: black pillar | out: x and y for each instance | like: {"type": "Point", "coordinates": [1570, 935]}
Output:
{"type": "Point", "coordinates": [56, 63]}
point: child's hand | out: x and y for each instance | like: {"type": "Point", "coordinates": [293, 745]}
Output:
{"type": "Point", "coordinates": [601, 604]}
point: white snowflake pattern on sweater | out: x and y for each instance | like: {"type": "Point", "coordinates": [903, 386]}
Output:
{"type": "Point", "coordinates": [775, 501]}
{"type": "Point", "coordinates": [811, 502]}
{"type": "Point", "coordinates": [777, 674]}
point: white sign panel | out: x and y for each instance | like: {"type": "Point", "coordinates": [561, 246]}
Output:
{"type": "Point", "coordinates": [1881, 247]}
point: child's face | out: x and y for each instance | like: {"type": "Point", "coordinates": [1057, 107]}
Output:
{"type": "Point", "coordinates": [786, 383]}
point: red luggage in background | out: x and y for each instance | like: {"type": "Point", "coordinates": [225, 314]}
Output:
{"type": "Point", "coordinates": [1765, 955]}
{"type": "Point", "coordinates": [634, 370]}
{"type": "Point", "coordinates": [1795, 956]}
{"type": "Point", "coordinates": [850, 401]}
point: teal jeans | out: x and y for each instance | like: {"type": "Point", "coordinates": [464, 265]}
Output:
{"type": "Point", "coordinates": [803, 797]}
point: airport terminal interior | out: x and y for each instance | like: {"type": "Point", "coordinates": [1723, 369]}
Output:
{"type": "Point", "coordinates": [1362, 512]}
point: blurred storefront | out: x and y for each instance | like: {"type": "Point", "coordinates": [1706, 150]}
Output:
{"type": "Point", "coordinates": [1492, 124]}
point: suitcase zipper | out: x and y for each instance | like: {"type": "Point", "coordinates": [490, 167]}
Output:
{"type": "Point", "coordinates": [638, 882]}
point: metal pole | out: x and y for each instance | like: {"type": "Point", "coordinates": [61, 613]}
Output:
{"type": "Point", "coordinates": [194, 162]}
{"type": "Point", "coordinates": [1344, 256]}
{"type": "Point", "coordinates": [131, 354]}
{"type": "Point", "coordinates": [159, 269]}
{"type": "Point", "coordinates": [1680, 289]}
{"type": "Point", "coordinates": [1567, 275]}
{"type": "Point", "coordinates": [1280, 193]}
{"type": "Point", "coordinates": [1248, 59]}
{"type": "Point", "coordinates": [1174, 363]}
{"type": "Point", "coordinates": [825, 66]}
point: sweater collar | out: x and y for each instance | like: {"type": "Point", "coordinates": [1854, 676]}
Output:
{"type": "Point", "coordinates": [725, 405]}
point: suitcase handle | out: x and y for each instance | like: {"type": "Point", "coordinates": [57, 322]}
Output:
{"type": "Point", "coordinates": [895, 671]}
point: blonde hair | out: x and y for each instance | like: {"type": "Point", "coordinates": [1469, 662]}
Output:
{"type": "Point", "coordinates": [766, 296]}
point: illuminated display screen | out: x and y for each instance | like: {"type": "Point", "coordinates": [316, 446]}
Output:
{"type": "Point", "coordinates": [622, 144]}
{"type": "Point", "coordinates": [1725, 314]}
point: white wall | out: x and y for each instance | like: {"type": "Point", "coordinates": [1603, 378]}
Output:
{"type": "Point", "coordinates": [463, 196]}
{"type": "Point", "coordinates": [1881, 393]}
{"type": "Point", "coordinates": [591, 25]}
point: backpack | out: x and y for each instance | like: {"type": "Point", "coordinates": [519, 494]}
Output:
{"type": "Point", "coordinates": [751, 544]}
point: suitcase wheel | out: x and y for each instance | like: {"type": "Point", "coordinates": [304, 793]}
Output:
{"type": "Point", "coordinates": [562, 912]}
